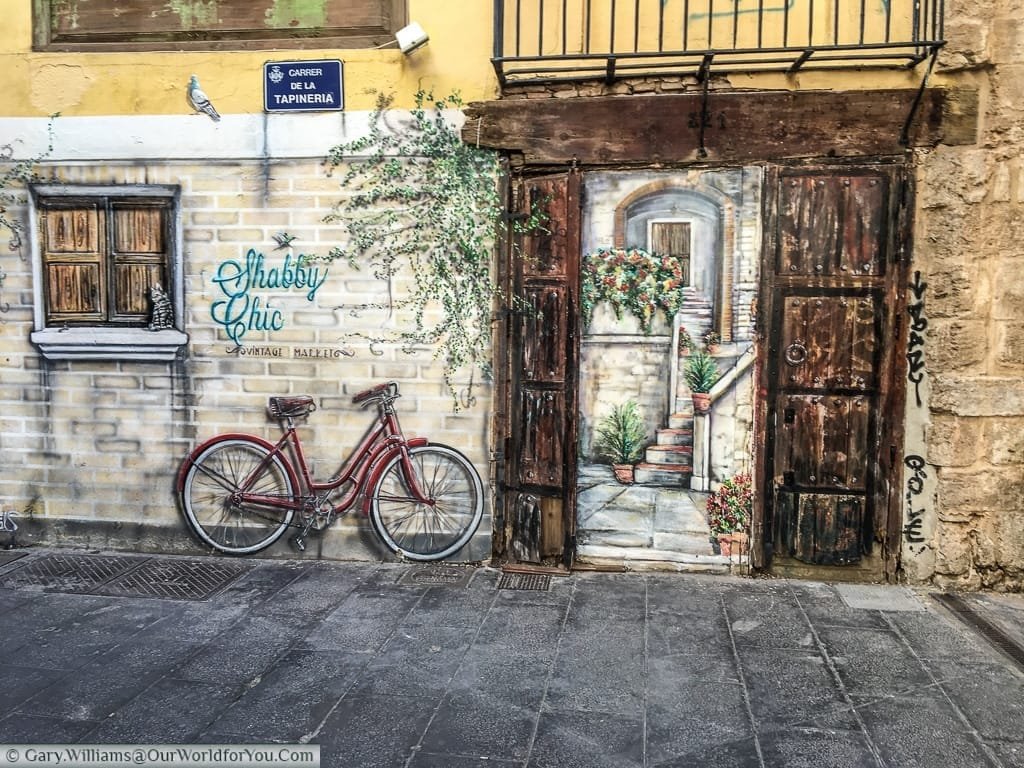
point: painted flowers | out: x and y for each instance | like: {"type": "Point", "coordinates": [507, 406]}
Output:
{"type": "Point", "coordinates": [729, 507]}
{"type": "Point", "coordinates": [632, 280]}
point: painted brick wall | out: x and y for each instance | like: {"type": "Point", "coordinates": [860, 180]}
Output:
{"type": "Point", "coordinates": [90, 448]}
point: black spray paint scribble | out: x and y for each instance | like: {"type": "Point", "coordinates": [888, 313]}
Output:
{"type": "Point", "coordinates": [915, 341]}
{"type": "Point", "coordinates": [915, 487]}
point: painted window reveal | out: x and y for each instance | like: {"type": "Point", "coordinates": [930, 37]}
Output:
{"type": "Point", "coordinates": [174, 24]}
{"type": "Point", "coordinates": [107, 272]}
{"type": "Point", "coordinates": [102, 258]}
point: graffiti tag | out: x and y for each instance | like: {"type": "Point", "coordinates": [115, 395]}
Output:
{"type": "Point", "coordinates": [915, 341]}
{"type": "Point", "coordinates": [912, 531]}
{"type": "Point", "coordinates": [241, 310]}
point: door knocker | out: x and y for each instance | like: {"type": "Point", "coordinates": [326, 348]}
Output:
{"type": "Point", "coordinates": [796, 353]}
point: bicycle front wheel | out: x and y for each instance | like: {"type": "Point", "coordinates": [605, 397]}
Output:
{"type": "Point", "coordinates": [212, 508]}
{"type": "Point", "coordinates": [440, 527]}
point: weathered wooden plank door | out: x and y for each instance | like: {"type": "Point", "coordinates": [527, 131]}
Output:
{"type": "Point", "coordinates": [537, 510]}
{"type": "Point", "coordinates": [834, 401]}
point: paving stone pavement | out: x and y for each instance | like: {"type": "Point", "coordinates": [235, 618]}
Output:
{"type": "Point", "coordinates": [618, 670]}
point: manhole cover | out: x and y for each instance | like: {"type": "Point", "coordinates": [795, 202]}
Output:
{"type": "Point", "coordinates": [10, 557]}
{"type": "Point", "coordinates": [537, 581]}
{"type": "Point", "coordinates": [436, 576]}
{"type": "Point", "coordinates": [68, 573]}
{"type": "Point", "coordinates": [175, 579]}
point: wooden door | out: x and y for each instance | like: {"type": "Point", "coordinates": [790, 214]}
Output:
{"type": "Point", "coordinates": [834, 398]}
{"type": "Point", "coordinates": [672, 238]}
{"type": "Point", "coordinates": [538, 475]}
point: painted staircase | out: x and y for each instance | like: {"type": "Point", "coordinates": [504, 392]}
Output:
{"type": "Point", "coordinates": [669, 461]}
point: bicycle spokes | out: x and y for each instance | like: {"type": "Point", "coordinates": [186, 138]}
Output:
{"type": "Point", "coordinates": [424, 507]}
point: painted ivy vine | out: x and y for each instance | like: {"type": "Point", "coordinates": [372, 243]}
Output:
{"type": "Point", "coordinates": [13, 182]}
{"type": "Point", "coordinates": [421, 203]}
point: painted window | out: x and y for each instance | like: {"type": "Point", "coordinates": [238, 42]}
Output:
{"type": "Point", "coordinates": [672, 238]}
{"type": "Point", "coordinates": [108, 279]}
{"type": "Point", "coordinates": [216, 24]}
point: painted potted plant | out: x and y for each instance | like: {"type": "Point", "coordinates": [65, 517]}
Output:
{"type": "Point", "coordinates": [711, 339]}
{"type": "Point", "coordinates": [729, 510]}
{"type": "Point", "coordinates": [621, 436]}
{"type": "Point", "coordinates": [701, 373]}
{"type": "Point", "coordinates": [685, 345]}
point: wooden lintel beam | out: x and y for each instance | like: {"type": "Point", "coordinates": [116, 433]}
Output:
{"type": "Point", "coordinates": [738, 127]}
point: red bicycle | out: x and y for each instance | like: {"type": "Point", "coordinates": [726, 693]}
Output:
{"type": "Point", "coordinates": [240, 492]}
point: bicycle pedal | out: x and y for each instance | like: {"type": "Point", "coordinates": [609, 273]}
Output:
{"type": "Point", "coordinates": [299, 543]}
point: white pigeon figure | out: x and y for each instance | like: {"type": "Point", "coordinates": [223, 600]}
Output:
{"type": "Point", "coordinates": [200, 101]}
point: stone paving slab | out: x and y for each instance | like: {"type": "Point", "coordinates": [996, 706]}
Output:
{"type": "Point", "coordinates": [617, 670]}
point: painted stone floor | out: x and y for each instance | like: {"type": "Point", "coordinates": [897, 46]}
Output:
{"type": "Point", "coordinates": [643, 525]}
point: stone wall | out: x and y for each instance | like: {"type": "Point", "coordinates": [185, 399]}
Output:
{"type": "Point", "coordinates": [968, 236]}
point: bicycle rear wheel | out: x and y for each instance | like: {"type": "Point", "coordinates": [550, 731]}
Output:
{"type": "Point", "coordinates": [216, 474]}
{"type": "Point", "coordinates": [422, 531]}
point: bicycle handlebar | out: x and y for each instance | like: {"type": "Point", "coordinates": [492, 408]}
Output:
{"type": "Point", "coordinates": [387, 390]}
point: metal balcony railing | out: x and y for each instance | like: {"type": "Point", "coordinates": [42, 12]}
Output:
{"type": "Point", "coordinates": [537, 41]}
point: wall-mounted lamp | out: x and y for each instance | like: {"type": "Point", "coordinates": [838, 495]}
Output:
{"type": "Point", "coordinates": [411, 37]}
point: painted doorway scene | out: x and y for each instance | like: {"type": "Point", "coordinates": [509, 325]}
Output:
{"type": "Point", "coordinates": [669, 281]}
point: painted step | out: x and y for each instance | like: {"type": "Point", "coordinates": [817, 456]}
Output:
{"type": "Point", "coordinates": [684, 404]}
{"type": "Point", "coordinates": [678, 436]}
{"type": "Point", "coordinates": [677, 475]}
{"type": "Point", "coordinates": [681, 420]}
{"type": "Point", "coordinates": [674, 455]}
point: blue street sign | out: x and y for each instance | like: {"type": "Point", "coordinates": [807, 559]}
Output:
{"type": "Point", "coordinates": [303, 86]}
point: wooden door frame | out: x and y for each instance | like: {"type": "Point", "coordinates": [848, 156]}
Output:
{"type": "Point", "coordinates": [889, 432]}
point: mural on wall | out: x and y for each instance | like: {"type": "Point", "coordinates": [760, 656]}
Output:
{"type": "Point", "coordinates": [670, 274]}
{"type": "Point", "coordinates": [244, 285]}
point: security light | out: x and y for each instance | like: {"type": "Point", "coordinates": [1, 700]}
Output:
{"type": "Point", "coordinates": [410, 38]}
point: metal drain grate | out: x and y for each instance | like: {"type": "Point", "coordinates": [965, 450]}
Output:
{"type": "Point", "coordinates": [125, 576]}
{"type": "Point", "coordinates": [968, 615]}
{"type": "Point", "coordinates": [436, 576]}
{"type": "Point", "coordinates": [535, 581]}
{"type": "Point", "coordinates": [10, 557]}
{"type": "Point", "coordinates": [68, 573]}
{"type": "Point", "coordinates": [174, 579]}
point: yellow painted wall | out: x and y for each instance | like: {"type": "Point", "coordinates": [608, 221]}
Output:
{"type": "Point", "coordinates": [133, 83]}
{"type": "Point", "coordinates": [457, 58]}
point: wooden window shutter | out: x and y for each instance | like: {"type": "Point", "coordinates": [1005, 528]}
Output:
{"type": "Point", "coordinates": [138, 257]}
{"type": "Point", "coordinates": [672, 238]}
{"type": "Point", "coordinates": [72, 247]}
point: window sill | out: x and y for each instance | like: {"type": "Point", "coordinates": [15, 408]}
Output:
{"type": "Point", "coordinates": [109, 344]}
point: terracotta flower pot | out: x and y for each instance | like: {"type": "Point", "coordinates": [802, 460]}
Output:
{"type": "Point", "coordinates": [701, 402]}
{"type": "Point", "coordinates": [732, 543]}
{"type": "Point", "coordinates": [623, 473]}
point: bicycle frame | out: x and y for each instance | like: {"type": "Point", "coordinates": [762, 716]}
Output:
{"type": "Point", "coordinates": [362, 468]}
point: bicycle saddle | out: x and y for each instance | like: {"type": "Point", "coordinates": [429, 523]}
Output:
{"type": "Point", "coordinates": [287, 407]}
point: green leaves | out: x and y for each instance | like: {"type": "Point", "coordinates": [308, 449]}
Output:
{"type": "Point", "coordinates": [700, 371]}
{"type": "Point", "coordinates": [634, 280]}
{"type": "Point", "coordinates": [18, 175]}
{"type": "Point", "coordinates": [423, 206]}
{"type": "Point", "coordinates": [730, 507]}
{"type": "Point", "coordinates": [621, 434]}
